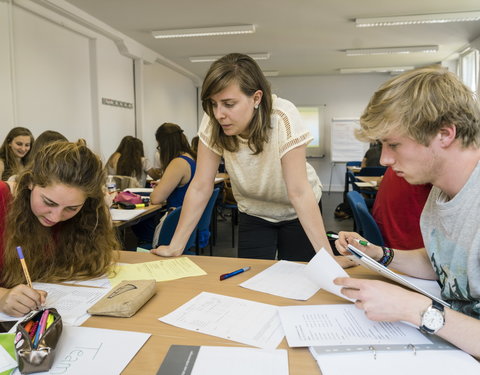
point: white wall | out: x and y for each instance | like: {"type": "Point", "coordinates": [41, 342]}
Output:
{"type": "Point", "coordinates": [55, 69]}
{"type": "Point", "coordinates": [343, 95]}
{"type": "Point", "coordinates": [168, 97]}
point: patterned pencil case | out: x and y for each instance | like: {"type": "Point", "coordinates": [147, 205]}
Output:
{"type": "Point", "coordinates": [36, 340]}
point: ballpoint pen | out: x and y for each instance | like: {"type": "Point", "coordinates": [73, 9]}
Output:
{"type": "Point", "coordinates": [24, 266]}
{"type": "Point", "coordinates": [361, 242]}
{"type": "Point", "coordinates": [228, 275]}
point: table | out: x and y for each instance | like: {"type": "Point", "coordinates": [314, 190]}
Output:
{"type": "Point", "coordinates": [151, 210]}
{"type": "Point", "coordinates": [172, 294]}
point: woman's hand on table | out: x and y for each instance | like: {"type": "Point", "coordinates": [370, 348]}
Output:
{"type": "Point", "coordinates": [21, 299]}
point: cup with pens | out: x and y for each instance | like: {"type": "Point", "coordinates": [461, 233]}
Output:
{"type": "Point", "coordinates": [36, 340]}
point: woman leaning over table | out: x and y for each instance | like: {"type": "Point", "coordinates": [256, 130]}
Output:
{"type": "Point", "coordinates": [263, 141]}
{"type": "Point", "coordinates": [14, 152]}
{"type": "Point", "coordinates": [58, 216]}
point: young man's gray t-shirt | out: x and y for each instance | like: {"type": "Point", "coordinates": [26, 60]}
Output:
{"type": "Point", "coordinates": [451, 233]}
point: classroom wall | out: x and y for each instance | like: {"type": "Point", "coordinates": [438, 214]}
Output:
{"type": "Point", "coordinates": [345, 96]}
{"type": "Point", "coordinates": [57, 64]}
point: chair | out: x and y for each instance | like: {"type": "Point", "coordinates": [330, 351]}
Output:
{"type": "Point", "coordinates": [204, 224]}
{"type": "Point", "coordinates": [168, 230]}
{"type": "Point", "coordinates": [364, 221]}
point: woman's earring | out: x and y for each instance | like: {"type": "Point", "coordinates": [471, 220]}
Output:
{"type": "Point", "coordinates": [256, 106]}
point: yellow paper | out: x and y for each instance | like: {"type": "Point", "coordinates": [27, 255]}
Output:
{"type": "Point", "coordinates": [160, 270]}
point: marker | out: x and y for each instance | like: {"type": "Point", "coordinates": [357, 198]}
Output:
{"type": "Point", "coordinates": [24, 266]}
{"type": "Point", "coordinates": [361, 242]}
{"type": "Point", "coordinates": [228, 275]}
{"type": "Point", "coordinates": [140, 205]}
{"type": "Point", "coordinates": [41, 328]}
{"type": "Point", "coordinates": [50, 320]}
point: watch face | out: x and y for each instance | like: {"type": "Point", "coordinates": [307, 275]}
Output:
{"type": "Point", "coordinates": [433, 319]}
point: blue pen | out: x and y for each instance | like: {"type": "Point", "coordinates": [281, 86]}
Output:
{"type": "Point", "coordinates": [227, 275]}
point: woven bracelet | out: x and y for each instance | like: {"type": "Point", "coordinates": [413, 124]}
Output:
{"type": "Point", "coordinates": [387, 256]}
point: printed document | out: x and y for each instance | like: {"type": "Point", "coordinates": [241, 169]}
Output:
{"type": "Point", "coordinates": [159, 270]}
{"type": "Point", "coordinates": [322, 325]}
{"type": "Point", "coordinates": [124, 215]}
{"type": "Point", "coordinates": [252, 323]}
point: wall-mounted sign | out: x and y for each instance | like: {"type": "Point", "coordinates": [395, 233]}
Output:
{"type": "Point", "coordinates": [117, 103]}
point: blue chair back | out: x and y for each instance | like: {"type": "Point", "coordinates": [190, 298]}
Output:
{"type": "Point", "coordinates": [354, 163]}
{"type": "Point", "coordinates": [364, 221]}
{"type": "Point", "coordinates": [168, 230]}
{"type": "Point", "coordinates": [371, 171]}
{"type": "Point", "coordinates": [203, 228]}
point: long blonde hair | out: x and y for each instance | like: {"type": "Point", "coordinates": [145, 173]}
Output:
{"type": "Point", "coordinates": [79, 248]}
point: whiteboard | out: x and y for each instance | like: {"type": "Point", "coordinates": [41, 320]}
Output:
{"type": "Point", "coordinates": [313, 118]}
{"type": "Point", "coordinates": [343, 144]}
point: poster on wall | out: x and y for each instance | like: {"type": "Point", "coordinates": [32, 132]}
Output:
{"type": "Point", "coordinates": [313, 118]}
{"type": "Point", "coordinates": [344, 146]}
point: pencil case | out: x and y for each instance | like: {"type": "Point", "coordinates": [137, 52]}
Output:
{"type": "Point", "coordinates": [36, 354]}
{"type": "Point", "coordinates": [125, 299]}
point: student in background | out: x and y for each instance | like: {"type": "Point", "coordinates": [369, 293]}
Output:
{"type": "Point", "coordinates": [14, 152]}
{"type": "Point", "coordinates": [429, 124]}
{"type": "Point", "coordinates": [59, 218]}
{"type": "Point", "coordinates": [372, 156]}
{"type": "Point", "coordinates": [178, 165]}
{"type": "Point", "coordinates": [263, 141]}
{"type": "Point", "coordinates": [397, 210]}
{"type": "Point", "coordinates": [194, 144]}
{"type": "Point", "coordinates": [47, 137]}
{"type": "Point", "coordinates": [129, 160]}
{"type": "Point", "coordinates": [179, 168]}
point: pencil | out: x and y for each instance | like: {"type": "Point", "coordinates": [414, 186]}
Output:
{"type": "Point", "coordinates": [24, 266]}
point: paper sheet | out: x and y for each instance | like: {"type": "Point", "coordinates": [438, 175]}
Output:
{"type": "Point", "coordinates": [71, 302]}
{"type": "Point", "coordinates": [284, 279]}
{"type": "Point", "coordinates": [220, 360]}
{"type": "Point", "coordinates": [124, 215]}
{"type": "Point", "coordinates": [323, 325]}
{"type": "Point", "coordinates": [298, 281]}
{"type": "Point", "coordinates": [160, 270]}
{"type": "Point", "coordinates": [7, 362]}
{"type": "Point", "coordinates": [101, 282]}
{"type": "Point", "coordinates": [235, 319]}
{"type": "Point", "coordinates": [83, 350]}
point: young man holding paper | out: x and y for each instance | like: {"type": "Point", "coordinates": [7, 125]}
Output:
{"type": "Point", "coordinates": [429, 125]}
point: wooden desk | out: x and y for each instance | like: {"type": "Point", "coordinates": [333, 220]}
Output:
{"type": "Point", "coordinates": [172, 294]}
{"type": "Point", "coordinates": [151, 210]}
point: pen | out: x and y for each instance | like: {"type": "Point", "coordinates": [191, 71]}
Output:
{"type": "Point", "coordinates": [228, 275]}
{"type": "Point", "coordinates": [24, 266]}
{"type": "Point", "coordinates": [41, 328]}
{"type": "Point", "coordinates": [361, 242]}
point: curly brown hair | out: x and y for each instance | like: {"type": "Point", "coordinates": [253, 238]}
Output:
{"type": "Point", "coordinates": [79, 248]}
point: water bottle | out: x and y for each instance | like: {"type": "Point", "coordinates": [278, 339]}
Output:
{"type": "Point", "coordinates": [111, 184]}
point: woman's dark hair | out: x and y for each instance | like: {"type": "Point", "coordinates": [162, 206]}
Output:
{"type": "Point", "coordinates": [171, 143]}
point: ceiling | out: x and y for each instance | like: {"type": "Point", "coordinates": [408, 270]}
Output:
{"type": "Point", "coordinates": [303, 37]}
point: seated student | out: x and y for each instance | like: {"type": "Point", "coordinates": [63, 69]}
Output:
{"type": "Point", "coordinates": [14, 152]}
{"type": "Point", "coordinates": [178, 165]}
{"type": "Point", "coordinates": [397, 210]}
{"type": "Point", "coordinates": [195, 144]}
{"type": "Point", "coordinates": [59, 218]}
{"type": "Point", "coordinates": [429, 124]}
{"type": "Point", "coordinates": [129, 160]}
{"type": "Point", "coordinates": [372, 156]}
{"type": "Point", "coordinates": [178, 168]}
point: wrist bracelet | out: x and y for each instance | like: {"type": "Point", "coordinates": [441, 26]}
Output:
{"type": "Point", "coordinates": [387, 256]}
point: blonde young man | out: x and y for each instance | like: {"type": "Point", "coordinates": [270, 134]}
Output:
{"type": "Point", "coordinates": [429, 125]}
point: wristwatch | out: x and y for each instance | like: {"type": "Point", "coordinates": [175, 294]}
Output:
{"type": "Point", "coordinates": [433, 318]}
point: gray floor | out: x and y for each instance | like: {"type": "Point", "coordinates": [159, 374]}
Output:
{"type": "Point", "coordinates": [223, 247]}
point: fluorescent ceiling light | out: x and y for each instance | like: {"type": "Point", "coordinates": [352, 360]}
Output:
{"type": "Point", "coordinates": [386, 69]}
{"type": "Point", "coordinates": [255, 56]}
{"type": "Point", "coordinates": [418, 19]}
{"type": "Point", "coordinates": [391, 50]}
{"type": "Point", "coordinates": [270, 73]}
{"type": "Point", "coordinates": [204, 31]}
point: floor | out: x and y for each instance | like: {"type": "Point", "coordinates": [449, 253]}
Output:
{"type": "Point", "coordinates": [223, 247]}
